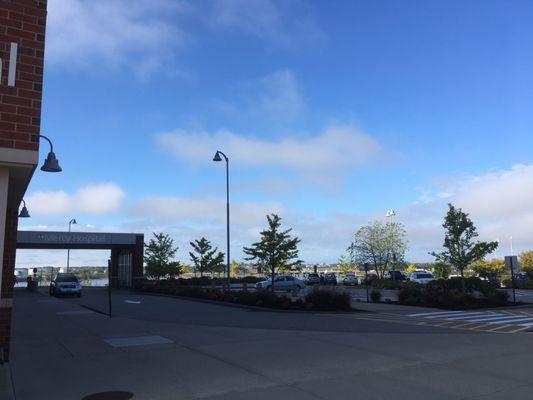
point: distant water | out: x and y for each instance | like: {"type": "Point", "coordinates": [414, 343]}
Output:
{"type": "Point", "coordinates": [86, 283]}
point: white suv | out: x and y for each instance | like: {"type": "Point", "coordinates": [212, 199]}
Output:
{"type": "Point", "coordinates": [65, 284]}
{"type": "Point", "coordinates": [420, 277]}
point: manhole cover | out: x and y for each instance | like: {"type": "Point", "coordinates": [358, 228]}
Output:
{"type": "Point", "coordinates": [109, 396]}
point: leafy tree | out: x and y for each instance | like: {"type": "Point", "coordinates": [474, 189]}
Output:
{"type": "Point", "coordinates": [410, 268]}
{"type": "Point", "coordinates": [158, 257]}
{"type": "Point", "coordinates": [186, 268]}
{"type": "Point", "coordinates": [206, 258]}
{"type": "Point", "coordinates": [276, 250]}
{"type": "Point", "coordinates": [344, 265]}
{"type": "Point", "coordinates": [441, 270]}
{"type": "Point", "coordinates": [460, 248]}
{"type": "Point", "coordinates": [490, 269]}
{"type": "Point", "coordinates": [380, 245]}
{"type": "Point", "coordinates": [237, 269]}
{"type": "Point", "coordinates": [526, 262]}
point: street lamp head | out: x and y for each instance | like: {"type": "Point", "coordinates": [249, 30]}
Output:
{"type": "Point", "coordinates": [24, 213]}
{"type": "Point", "coordinates": [51, 164]}
{"type": "Point", "coordinates": [74, 221]}
{"type": "Point", "coordinates": [217, 157]}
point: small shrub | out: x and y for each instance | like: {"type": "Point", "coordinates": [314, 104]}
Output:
{"type": "Point", "coordinates": [375, 296]}
{"type": "Point", "coordinates": [328, 300]}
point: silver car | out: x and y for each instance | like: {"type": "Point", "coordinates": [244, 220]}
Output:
{"type": "Point", "coordinates": [281, 282]}
{"type": "Point", "coordinates": [65, 284]}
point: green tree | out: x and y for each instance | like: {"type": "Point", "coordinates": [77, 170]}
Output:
{"type": "Point", "coordinates": [489, 269]}
{"type": "Point", "coordinates": [441, 270]}
{"type": "Point", "coordinates": [460, 248]}
{"type": "Point", "coordinates": [205, 258]}
{"type": "Point", "coordinates": [526, 262]}
{"type": "Point", "coordinates": [158, 257]}
{"type": "Point", "coordinates": [276, 250]}
{"type": "Point", "coordinates": [344, 265]}
{"type": "Point", "coordinates": [186, 268]}
{"type": "Point", "coordinates": [379, 245]}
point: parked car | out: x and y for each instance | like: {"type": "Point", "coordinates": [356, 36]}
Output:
{"type": "Point", "coordinates": [312, 279]}
{"type": "Point", "coordinates": [366, 280]}
{"type": "Point", "coordinates": [65, 284]}
{"type": "Point", "coordinates": [521, 276]}
{"type": "Point", "coordinates": [350, 280]}
{"type": "Point", "coordinates": [330, 279]}
{"type": "Point", "coordinates": [394, 275]}
{"type": "Point", "coordinates": [420, 277]}
{"type": "Point", "coordinates": [281, 282]}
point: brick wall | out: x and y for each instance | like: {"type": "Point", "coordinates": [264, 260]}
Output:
{"type": "Point", "coordinates": [22, 22]}
{"type": "Point", "coordinates": [8, 274]}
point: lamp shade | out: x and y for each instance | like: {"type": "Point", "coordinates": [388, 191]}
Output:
{"type": "Point", "coordinates": [51, 164]}
{"type": "Point", "coordinates": [217, 157]}
{"type": "Point", "coordinates": [24, 213]}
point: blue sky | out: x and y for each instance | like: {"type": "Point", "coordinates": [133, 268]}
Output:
{"type": "Point", "coordinates": [331, 114]}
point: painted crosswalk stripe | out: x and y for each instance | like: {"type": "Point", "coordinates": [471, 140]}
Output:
{"type": "Point", "coordinates": [495, 317]}
{"type": "Point", "coordinates": [514, 320]}
{"type": "Point", "coordinates": [467, 316]}
{"type": "Point", "coordinates": [434, 313]}
{"type": "Point", "coordinates": [453, 315]}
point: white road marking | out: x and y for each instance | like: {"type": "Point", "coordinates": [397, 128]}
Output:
{"type": "Point", "coordinates": [434, 313]}
{"type": "Point", "coordinates": [467, 316]}
{"type": "Point", "coordinates": [495, 317]}
{"type": "Point", "coordinates": [513, 320]}
{"type": "Point", "coordinates": [132, 301]}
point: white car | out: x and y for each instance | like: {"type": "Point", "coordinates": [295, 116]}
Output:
{"type": "Point", "coordinates": [350, 280]}
{"type": "Point", "coordinates": [65, 284]}
{"type": "Point", "coordinates": [420, 277]}
{"type": "Point", "coordinates": [281, 282]}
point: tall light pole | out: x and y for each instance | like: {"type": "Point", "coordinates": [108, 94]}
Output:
{"type": "Point", "coordinates": [390, 214]}
{"type": "Point", "coordinates": [217, 158]}
{"type": "Point", "coordinates": [72, 221]}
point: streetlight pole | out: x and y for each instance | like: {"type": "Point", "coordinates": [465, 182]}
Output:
{"type": "Point", "coordinates": [72, 221]}
{"type": "Point", "coordinates": [391, 213]}
{"type": "Point", "coordinates": [217, 158]}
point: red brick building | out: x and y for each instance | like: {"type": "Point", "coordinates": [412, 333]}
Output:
{"type": "Point", "coordinates": [22, 37]}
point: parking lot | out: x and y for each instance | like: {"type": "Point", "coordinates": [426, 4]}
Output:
{"type": "Point", "coordinates": [166, 348]}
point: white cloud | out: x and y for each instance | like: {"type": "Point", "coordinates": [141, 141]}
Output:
{"type": "Point", "coordinates": [202, 211]}
{"type": "Point", "coordinates": [91, 199]}
{"type": "Point", "coordinates": [266, 20]}
{"type": "Point", "coordinates": [281, 96]}
{"type": "Point", "coordinates": [141, 35]}
{"type": "Point", "coordinates": [334, 150]}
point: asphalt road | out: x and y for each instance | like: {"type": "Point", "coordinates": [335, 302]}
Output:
{"type": "Point", "coordinates": [166, 348]}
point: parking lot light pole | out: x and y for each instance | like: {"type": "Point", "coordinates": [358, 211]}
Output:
{"type": "Point", "coordinates": [217, 158]}
{"type": "Point", "coordinates": [72, 221]}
